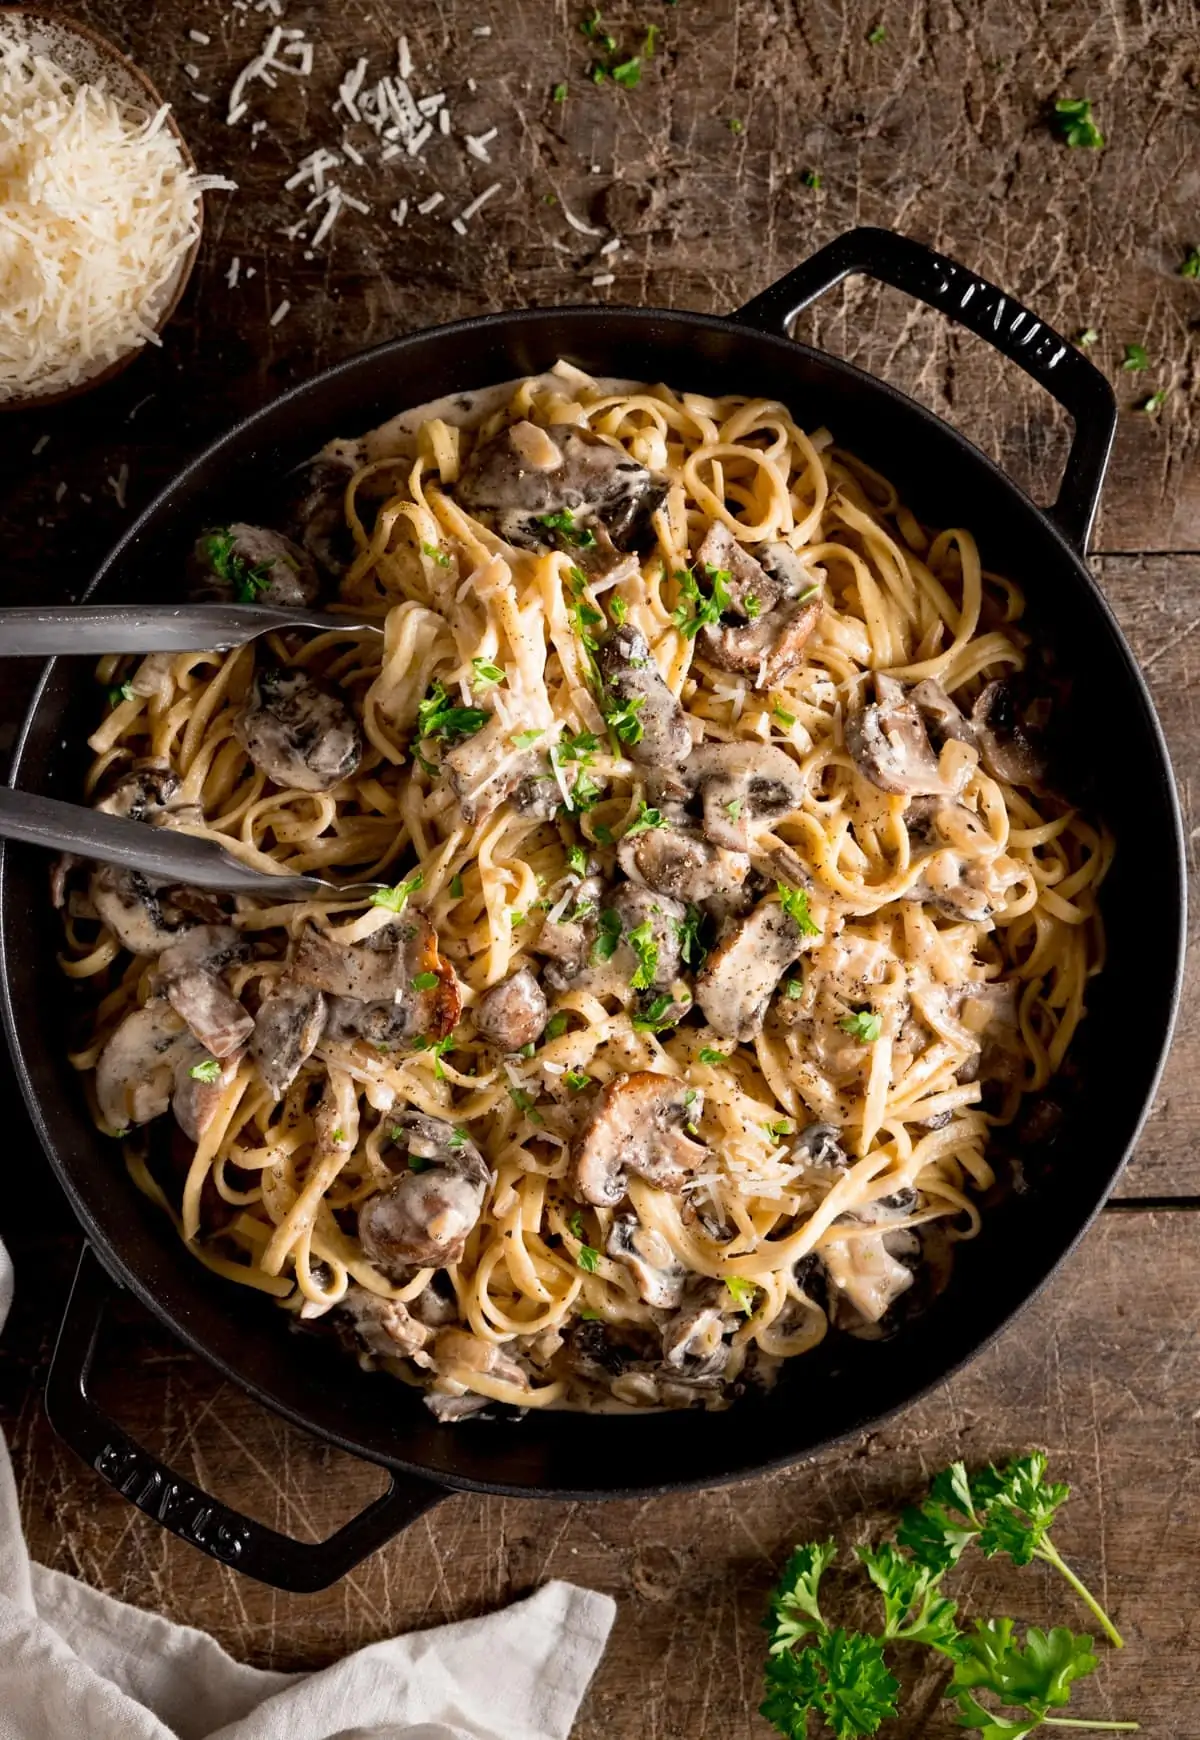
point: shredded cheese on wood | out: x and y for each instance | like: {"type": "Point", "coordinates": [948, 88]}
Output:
{"type": "Point", "coordinates": [97, 213]}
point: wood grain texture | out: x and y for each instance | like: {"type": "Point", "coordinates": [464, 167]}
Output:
{"type": "Point", "coordinates": [1107, 1383]}
{"type": "Point", "coordinates": [941, 130]}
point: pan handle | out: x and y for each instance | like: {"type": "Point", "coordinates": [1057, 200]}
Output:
{"type": "Point", "coordinates": [1012, 329]}
{"type": "Point", "coordinates": [300, 1567]}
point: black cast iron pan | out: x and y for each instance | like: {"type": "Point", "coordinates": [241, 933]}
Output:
{"type": "Point", "coordinates": [846, 1385]}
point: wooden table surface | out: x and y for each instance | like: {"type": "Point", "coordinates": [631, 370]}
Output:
{"type": "Point", "coordinates": [940, 130]}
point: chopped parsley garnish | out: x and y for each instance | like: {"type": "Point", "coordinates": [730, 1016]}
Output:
{"type": "Point", "coordinates": [562, 524]}
{"type": "Point", "coordinates": [779, 1130]}
{"type": "Point", "coordinates": [516, 919]}
{"type": "Point", "coordinates": [593, 28]}
{"type": "Point", "coordinates": [575, 1225]}
{"type": "Point", "coordinates": [122, 692]}
{"type": "Point", "coordinates": [1153, 401]}
{"type": "Point", "coordinates": [645, 820]}
{"type": "Point", "coordinates": [396, 899]}
{"type": "Point", "coordinates": [208, 1070]}
{"type": "Point", "coordinates": [456, 887]}
{"type": "Point", "coordinates": [794, 902]}
{"type": "Point", "coordinates": [586, 794]}
{"type": "Point", "coordinates": [588, 1259]}
{"type": "Point", "coordinates": [694, 611]}
{"type": "Point", "coordinates": [577, 1080]}
{"type": "Point", "coordinates": [692, 951]}
{"type": "Point", "coordinates": [523, 1100]}
{"type": "Point", "coordinates": [436, 719]}
{"type": "Point", "coordinates": [628, 73]}
{"type": "Point", "coordinates": [1086, 338]}
{"type": "Point", "coordinates": [528, 1049]}
{"type": "Point", "coordinates": [618, 609]}
{"type": "Point", "coordinates": [864, 1024]}
{"type": "Point", "coordinates": [339, 1135]}
{"type": "Point", "coordinates": [577, 860]}
{"type": "Point", "coordinates": [1191, 264]}
{"type": "Point", "coordinates": [435, 555]}
{"type": "Point", "coordinates": [458, 1139]}
{"type": "Point", "coordinates": [708, 1055]}
{"type": "Point", "coordinates": [587, 1315]}
{"type": "Point", "coordinates": [660, 1012]}
{"type": "Point", "coordinates": [418, 1163]}
{"type": "Point", "coordinates": [786, 719]}
{"type": "Point", "coordinates": [1135, 359]}
{"type": "Point", "coordinates": [733, 808]}
{"type": "Point", "coordinates": [559, 93]}
{"type": "Point", "coordinates": [1073, 117]}
{"type": "Point", "coordinates": [439, 1048]}
{"type": "Point", "coordinates": [736, 126]}
{"type": "Point", "coordinates": [604, 834]}
{"type": "Point", "coordinates": [641, 941]}
{"type": "Point", "coordinates": [581, 747]}
{"type": "Point", "coordinates": [556, 1026]}
{"type": "Point", "coordinates": [247, 581]}
{"type": "Point", "coordinates": [621, 717]}
{"type": "Point", "coordinates": [812, 178]}
{"type": "Point", "coordinates": [523, 739]}
{"type": "Point", "coordinates": [425, 982]}
{"type": "Point", "coordinates": [752, 606]}
{"type": "Point", "coordinates": [876, 36]}
{"type": "Point", "coordinates": [794, 989]}
{"type": "Point", "coordinates": [742, 1292]}
{"type": "Point", "coordinates": [487, 673]}
{"type": "Point", "coordinates": [609, 935]}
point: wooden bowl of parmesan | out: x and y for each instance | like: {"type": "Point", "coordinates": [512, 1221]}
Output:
{"type": "Point", "coordinates": [101, 210]}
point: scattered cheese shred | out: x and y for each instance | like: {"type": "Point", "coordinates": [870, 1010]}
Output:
{"type": "Point", "coordinates": [97, 213]}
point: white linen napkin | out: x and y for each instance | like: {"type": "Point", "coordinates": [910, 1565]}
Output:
{"type": "Point", "coordinates": [77, 1665]}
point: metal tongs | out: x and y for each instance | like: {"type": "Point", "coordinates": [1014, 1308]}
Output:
{"type": "Point", "coordinates": [28, 631]}
{"type": "Point", "coordinates": [165, 855]}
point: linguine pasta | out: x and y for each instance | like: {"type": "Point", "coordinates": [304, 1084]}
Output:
{"type": "Point", "coordinates": [727, 909]}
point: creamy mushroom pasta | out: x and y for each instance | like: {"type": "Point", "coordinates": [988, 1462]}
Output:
{"type": "Point", "coordinates": [726, 905]}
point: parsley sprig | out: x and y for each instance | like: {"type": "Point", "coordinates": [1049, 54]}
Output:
{"type": "Point", "coordinates": [695, 609]}
{"type": "Point", "coordinates": [1073, 118]}
{"type": "Point", "coordinates": [843, 1677]}
{"type": "Point", "coordinates": [437, 718]}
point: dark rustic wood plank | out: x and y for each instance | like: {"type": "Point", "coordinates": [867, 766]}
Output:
{"type": "Point", "coordinates": [1105, 1378]}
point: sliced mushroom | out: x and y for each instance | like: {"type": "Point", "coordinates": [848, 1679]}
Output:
{"type": "Point", "coordinates": [636, 906]}
{"type": "Point", "coordinates": [135, 1073]}
{"type": "Point", "coordinates": [425, 1216]}
{"type": "Point", "coordinates": [189, 972]}
{"type": "Point", "coordinates": [771, 595]}
{"type": "Point", "coordinates": [485, 768]}
{"type": "Point", "coordinates": [680, 862]}
{"type": "Point", "coordinates": [890, 745]}
{"type": "Point", "coordinates": [1011, 731]}
{"type": "Point", "coordinates": [943, 718]}
{"type": "Point", "coordinates": [252, 565]}
{"type": "Point", "coordinates": [287, 1030]}
{"type": "Point", "coordinates": [298, 732]}
{"type": "Point", "coordinates": [659, 1274]}
{"type": "Point", "coordinates": [471, 1353]}
{"type": "Point", "coordinates": [146, 792]}
{"type": "Point", "coordinates": [526, 473]}
{"type": "Point", "coordinates": [631, 676]}
{"type": "Point", "coordinates": [745, 788]}
{"type": "Point", "coordinates": [736, 983]}
{"type": "Point", "coordinates": [865, 1270]}
{"type": "Point", "coordinates": [317, 510]}
{"type": "Point", "coordinates": [378, 985]}
{"type": "Point", "coordinates": [513, 1013]}
{"type": "Point", "coordinates": [197, 1098]}
{"type": "Point", "coordinates": [693, 1341]}
{"type": "Point", "coordinates": [141, 915]}
{"type": "Point", "coordinates": [568, 938]}
{"type": "Point", "coordinates": [638, 1124]}
{"type": "Point", "coordinates": [991, 1012]}
{"type": "Point", "coordinates": [384, 1326]}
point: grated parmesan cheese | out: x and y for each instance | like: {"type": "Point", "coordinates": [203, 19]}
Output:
{"type": "Point", "coordinates": [97, 213]}
{"type": "Point", "coordinates": [280, 312]}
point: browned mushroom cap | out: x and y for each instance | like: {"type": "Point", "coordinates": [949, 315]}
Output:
{"type": "Point", "coordinates": [631, 675]}
{"type": "Point", "coordinates": [636, 906]}
{"type": "Point", "coordinates": [513, 1013]}
{"type": "Point", "coordinates": [141, 914]}
{"type": "Point", "coordinates": [1011, 730]}
{"type": "Point", "coordinates": [770, 647]}
{"type": "Point", "coordinates": [298, 732]}
{"type": "Point", "coordinates": [659, 1274]}
{"type": "Point", "coordinates": [943, 718]}
{"type": "Point", "coordinates": [287, 1030]}
{"type": "Point", "coordinates": [682, 863]}
{"type": "Point", "coordinates": [252, 565]}
{"type": "Point", "coordinates": [426, 1215]}
{"type": "Point", "coordinates": [772, 595]}
{"type": "Point", "coordinates": [737, 980]}
{"type": "Point", "coordinates": [568, 938]}
{"type": "Point", "coordinates": [375, 981]}
{"type": "Point", "coordinates": [639, 1124]}
{"type": "Point", "coordinates": [745, 788]}
{"type": "Point", "coordinates": [526, 473]}
{"type": "Point", "coordinates": [190, 973]}
{"type": "Point", "coordinates": [890, 745]}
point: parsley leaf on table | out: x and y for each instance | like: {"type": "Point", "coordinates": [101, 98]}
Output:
{"type": "Point", "coordinates": [843, 1677]}
{"type": "Point", "coordinates": [1036, 1679]}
